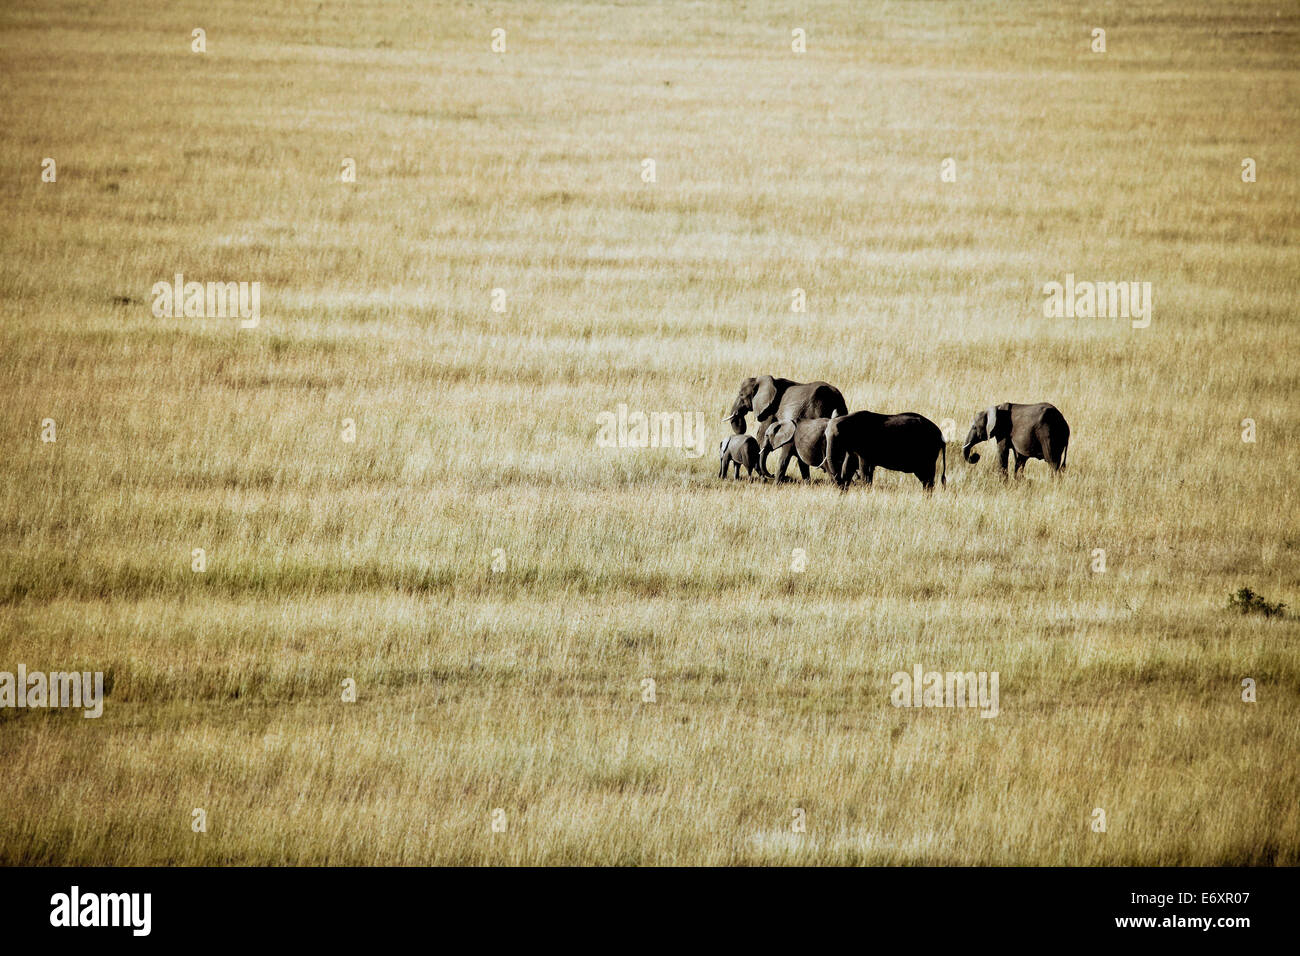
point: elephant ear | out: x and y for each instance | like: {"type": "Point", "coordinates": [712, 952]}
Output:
{"type": "Point", "coordinates": [765, 397]}
{"type": "Point", "coordinates": [998, 420]}
{"type": "Point", "coordinates": [781, 433]}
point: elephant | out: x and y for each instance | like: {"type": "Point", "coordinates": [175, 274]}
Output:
{"type": "Point", "coordinates": [804, 440]}
{"type": "Point", "coordinates": [867, 440]}
{"type": "Point", "coordinates": [779, 399]}
{"type": "Point", "coordinates": [739, 450]}
{"type": "Point", "coordinates": [1023, 432]}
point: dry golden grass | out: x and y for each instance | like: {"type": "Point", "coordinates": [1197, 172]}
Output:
{"type": "Point", "coordinates": [521, 690]}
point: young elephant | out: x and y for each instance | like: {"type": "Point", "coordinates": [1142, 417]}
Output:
{"type": "Point", "coordinates": [804, 440]}
{"type": "Point", "coordinates": [867, 440]}
{"type": "Point", "coordinates": [1022, 431]}
{"type": "Point", "coordinates": [739, 450]}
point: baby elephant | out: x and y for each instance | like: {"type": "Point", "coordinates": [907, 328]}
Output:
{"type": "Point", "coordinates": [739, 450]}
{"type": "Point", "coordinates": [867, 440]}
{"type": "Point", "coordinates": [805, 439]}
{"type": "Point", "coordinates": [1023, 432]}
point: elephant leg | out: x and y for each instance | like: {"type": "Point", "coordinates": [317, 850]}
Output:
{"type": "Point", "coordinates": [926, 476]}
{"type": "Point", "coordinates": [1004, 449]}
{"type": "Point", "coordinates": [1019, 462]}
{"type": "Point", "coordinates": [722, 469]}
{"type": "Point", "coordinates": [803, 470]}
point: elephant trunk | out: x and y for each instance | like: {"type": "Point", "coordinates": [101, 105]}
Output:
{"type": "Point", "coordinates": [828, 463]}
{"type": "Point", "coordinates": [736, 418]}
{"type": "Point", "coordinates": [973, 438]}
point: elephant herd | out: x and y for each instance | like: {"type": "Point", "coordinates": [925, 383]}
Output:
{"type": "Point", "coordinates": [812, 424]}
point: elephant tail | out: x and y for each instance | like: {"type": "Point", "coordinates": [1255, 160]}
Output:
{"type": "Point", "coordinates": [1065, 453]}
{"type": "Point", "coordinates": [943, 480]}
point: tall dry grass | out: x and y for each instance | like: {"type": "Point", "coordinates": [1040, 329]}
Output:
{"type": "Point", "coordinates": [522, 690]}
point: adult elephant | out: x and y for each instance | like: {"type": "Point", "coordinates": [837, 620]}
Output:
{"type": "Point", "coordinates": [779, 399]}
{"type": "Point", "coordinates": [868, 440]}
{"type": "Point", "coordinates": [1023, 432]}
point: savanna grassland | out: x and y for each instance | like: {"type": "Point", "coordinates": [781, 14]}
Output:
{"type": "Point", "coordinates": [521, 688]}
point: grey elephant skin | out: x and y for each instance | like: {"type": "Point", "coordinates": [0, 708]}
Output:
{"type": "Point", "coordinates": [1022, 431]}
{"type": "Point", "coordinates": [805, 441]}
{"type": "Point", "coordinates": [779, 399]}
{"type": "Point", "coordinates": [867, 440]}
{"type": "Point", "coordinates": [739, 450]}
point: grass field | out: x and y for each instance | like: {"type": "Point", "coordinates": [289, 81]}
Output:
{"type": "Point", "coordinates": [520, 689]}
